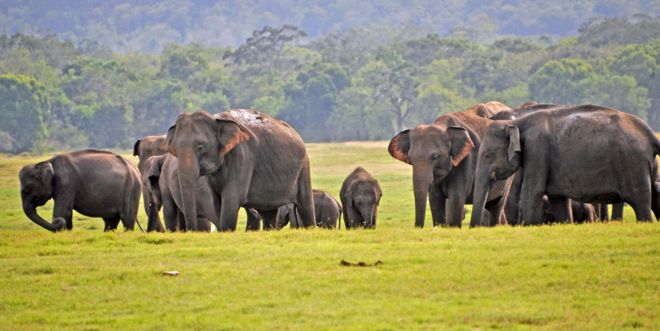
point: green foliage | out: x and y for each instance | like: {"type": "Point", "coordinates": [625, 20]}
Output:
{"type": "Point", "coordinates": [23, 113]}
{"type": "Point", "coordinates": [363, 83]}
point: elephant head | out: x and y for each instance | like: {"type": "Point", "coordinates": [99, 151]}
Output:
{"type": "Point", "coordinates": [365, 198]}
{"type": "Point", "coordinates": [433, 152]}
{"type": "Point", "coordinates": [202, 143]}
{"type": "Point", "coordinates": [150, 178]}
{"type": "Point", "coordinates": [36, 189]}
{"type": "Point", "coordinates": [499, 157]}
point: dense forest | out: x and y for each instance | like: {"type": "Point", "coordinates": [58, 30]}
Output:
{"type": "Point", "coordinates": [365, 82]}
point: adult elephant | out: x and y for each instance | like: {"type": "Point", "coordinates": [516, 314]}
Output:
{"type": "Point", "coordinates": [360, 195]}
{"type": "Point", "coordinates": [92, 182]}
{"type": "Point", "coordinates": [251, 160]}
{"type": "Point", "coordinates": [587, 153]}
{"type": "Point", "coordinates": [145, 148]}
{"type": "Point", "coordinates": [164, 188]}
{"type": "Point", "coordinates": [443, 156]}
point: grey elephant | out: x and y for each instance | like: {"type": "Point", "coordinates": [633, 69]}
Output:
{"type": "Point", "coordinates": [360, 195]}
{"type": "Point", "coordinates": [145, 148]}
{"type": "Point", "coordinates": [328, 212]}
{"type": "Point", "coordinates": [164, 188]}
{"type": "Point", "coordinates": [251, 160]}
{"type": "Point", "coordinates": [587, 153]}
{"type": "Point", "coordinates": [92, 182]}
{"type": "Point", "coordinates": [443, 156]}
{"type": "Point", "coordinates": [556, 206]}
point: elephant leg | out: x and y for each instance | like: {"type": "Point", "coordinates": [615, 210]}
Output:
{"type": "Point", "coordinates": [353, 217]}
{"type": "Point", "coordinates": [560, 207]}
{"type": "Point", "coordinates": [437, 201]}
{"type": "Point", "coordinates": [63, 208]}
{"type": "Point", "coordinates": [229, 212]}
{"type": "Point", "coordinates": [253, 220]}
{"type": "Point", "coordinates": [454, 209]}
{"type": "Point", "coordinates": [181, 220]}
{"type": "Point", "coordinates": [306, 198]}
{"type": "Point", "coordinates": [512, 205]}
{"type": "Point", "coordinates": [111, 223]}
{"type": "Point", "coordinates": [602, 212]}
{"type": "Point", "coordinates": [495, 208]}
{"type": "Point", "coordinates": [617, 212]}
{"type": "Point", "coordinates": [270, 219]}
{"type": "Point", "coordinates": [170, 213]}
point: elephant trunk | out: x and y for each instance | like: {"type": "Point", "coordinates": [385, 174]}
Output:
{"type": "Point", "coordinates": [422, 178]}
{"type": "Point", "coordinates": [31, 212]}
{"type": "Point", "coordinates": [481, 187]}
{"type": "Point", "coordinates": [188, 181]}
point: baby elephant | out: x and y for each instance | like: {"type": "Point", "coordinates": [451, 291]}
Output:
{"type": "Point", "coordinates": [360, 195]}
{"type": "Point", "coordinates": [327, 210]}
{"type": "Point", "coordinates": [163, 188]}
{"type": "Point", "coordinates": [582, 212]}
{"type": "Point", "coordinates": [94, 183]}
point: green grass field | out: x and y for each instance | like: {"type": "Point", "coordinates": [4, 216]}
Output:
{"type": "Point", "coordinates": [567, 277]}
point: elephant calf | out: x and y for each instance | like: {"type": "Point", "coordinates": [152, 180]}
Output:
{"type": "Point", "coordinates": [94, 183]}
{"type": "Point", "coordinates": [327, 209]}
{"type": "Point", "coordinates": [360, 195]}
{"type": "Point", "coordinates": [163, 188]}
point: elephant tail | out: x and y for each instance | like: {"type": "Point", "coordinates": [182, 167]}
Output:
{"type": "Point", "coordinates": [139, 225]}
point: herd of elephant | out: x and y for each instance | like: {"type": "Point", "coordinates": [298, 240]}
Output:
{"type": "Point", "coordinates": [532, 165]}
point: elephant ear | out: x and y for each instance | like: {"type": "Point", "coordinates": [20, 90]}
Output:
{"type": "Point", "coordinates": [461, 144]}
{"type": "Point", "coordinates": [169, 140]}
{"type": "Point", "coordinates": [513, 151]}
{"type": "Point", "coordinates": [136, 148]}
{"type": "Point", "coordinates": [155, 164]}
{"type": "Point", "coordinates": [45, 172]}
{"type": "Point", "coordinates": [153, 170]}
{"type": "Point", "coordinates": [400, 145]}
{"type": "Point", "coordinates": [231, 133]}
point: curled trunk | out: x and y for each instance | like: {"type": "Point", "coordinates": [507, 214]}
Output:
{"type": "Point", "coordinates": [31, 212]}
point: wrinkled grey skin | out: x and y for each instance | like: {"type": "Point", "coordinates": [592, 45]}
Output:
{"type": "Point", "coordinates": [581, 212]}
{"type": "Point", "coordinates": [586, 153]}
{"type": "Point", "coordinates": [360, 195]}
{"type": "Point", "coordinates": [443, 156]}
{"type": "Point", "coordinates": [145, 148]}
{"type": "Point", "coordinates": [164, 189]}
{"type": "Point", "coordinates": [328, 212]}
{"type": "Point", "coordinates": [251, 160]}
{"type": "Point", "coordinates": [511, 208]}
{"type": "Point", "coordinates": [91, 182]}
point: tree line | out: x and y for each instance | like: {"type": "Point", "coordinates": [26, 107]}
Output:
{"type": "Point", "coordinates": [364, 83]}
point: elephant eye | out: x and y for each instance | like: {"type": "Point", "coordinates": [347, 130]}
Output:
{"type": "Point", "coordinates": [435, 157]}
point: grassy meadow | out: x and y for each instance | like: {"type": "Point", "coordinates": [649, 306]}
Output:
{"type": "Point", "coordinates": [589, 277]}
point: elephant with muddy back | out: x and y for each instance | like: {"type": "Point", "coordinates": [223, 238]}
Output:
{"type": "Point", "coordinates": [587, 153]}
{"type": "Point", "coordinates": [92, 182]}
{"type": "Point", "coordinates": [250, 159]}
{"type": "Point", "coordinates": [443, 156]}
